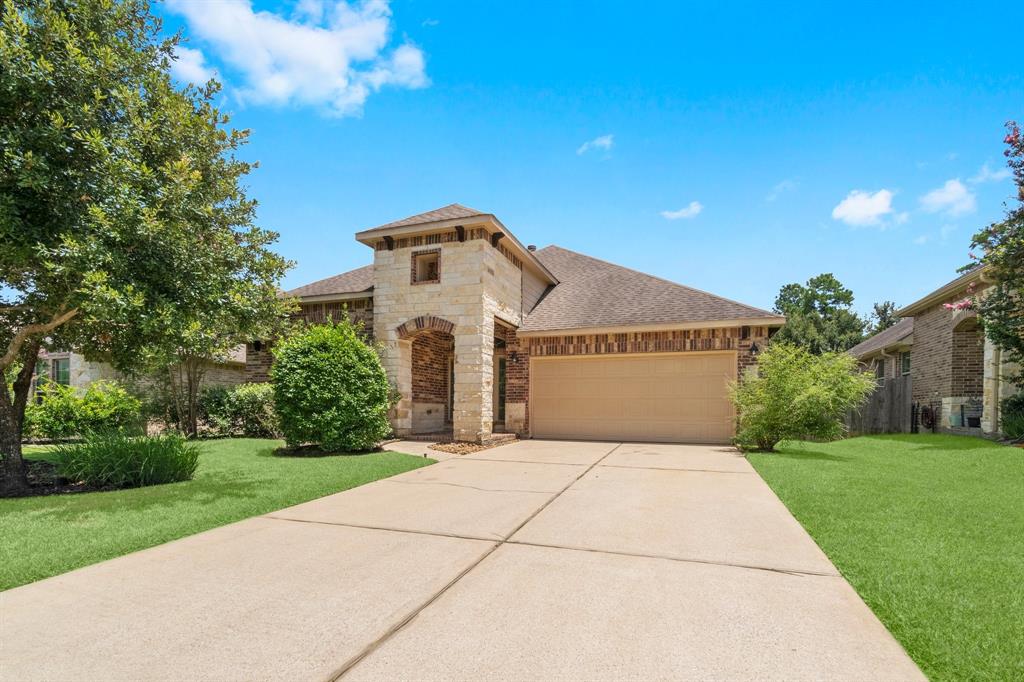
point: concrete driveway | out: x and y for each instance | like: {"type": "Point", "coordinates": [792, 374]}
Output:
{"type": "Point", "coordinates": [537, 560]}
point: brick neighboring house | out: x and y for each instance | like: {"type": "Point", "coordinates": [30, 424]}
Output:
{"type": "Point", "coordinates": [953, 367]}
{"type": "Point", "coordinates": [481, 334]}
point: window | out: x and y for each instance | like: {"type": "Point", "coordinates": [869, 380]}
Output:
{"type": "Point", "coordinates": [905, 363]}
{"type": "Point", "coordinates": [426, 266]}
{"type": "Point", "coordinates": [60, 371]}
{"type": "Point", "coordinates": [880, 368]}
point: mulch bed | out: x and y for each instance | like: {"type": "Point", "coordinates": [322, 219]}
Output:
{"type": "Point", "coordinates": [466, 448]}
{"type": "Point", "coordinates": [315, 451]}
{"type": "Point", "coordinates": [43, 479]}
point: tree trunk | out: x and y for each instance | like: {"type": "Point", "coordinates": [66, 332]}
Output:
{"type": "Point", "coordinates": [12, 418]}
{"type": "Point", "coordinates": [186, 377]}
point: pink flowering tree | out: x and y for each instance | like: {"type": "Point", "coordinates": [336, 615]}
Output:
{"type": "Point", "coordinates": [1001, 247]}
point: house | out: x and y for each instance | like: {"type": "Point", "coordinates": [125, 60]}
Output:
{"type": "Point", "coordinates": [954, 369]}
{"type": "Point", "coordinates": [482, 335]}
{"type": "Point", "coordinates": [72, 369]}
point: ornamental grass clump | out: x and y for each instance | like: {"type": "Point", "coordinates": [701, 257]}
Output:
{"type": "Point", "coordinates": [118, 460]}
{"type": "Point", "coordinates": [330, 389]}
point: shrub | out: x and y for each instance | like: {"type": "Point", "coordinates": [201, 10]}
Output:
{"type": "Point", "coordinates": [330, 389]}
{"type": "Point", "coordinates": [246, 409]}
{"type": "Point", "coordinates": [794, 394]}
{"type": "Point", "coordinates": [1013, 417]}
{"type": "Point", "coordinates": [62, 413]}
{"type": "Point", "coordinates": [116, 459]}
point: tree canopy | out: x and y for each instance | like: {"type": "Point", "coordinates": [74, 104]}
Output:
{"type": "Point", "coordinates": [1001, 245]}
{"type": "Point", "coordinates": [882, 317]}
{"type": "Point", "coordinates": [125, 231]}
{"type": "Point", "coordinates": [819, 315]}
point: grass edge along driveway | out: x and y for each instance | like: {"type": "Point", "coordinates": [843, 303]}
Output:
{"type": "Point", "coordinates": [236, 479]}
{"type": "Point", "coordinates": [927, 528]}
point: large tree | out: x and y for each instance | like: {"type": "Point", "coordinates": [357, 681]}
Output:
{"type": "Point", "coordinates": [123, 225]}
{"type": "Point", "coordinates": [882, 317]}
{"type": "Point", "coordinates": [1001, 246]}
{"type": "Point", "coordinates": [819, 315]}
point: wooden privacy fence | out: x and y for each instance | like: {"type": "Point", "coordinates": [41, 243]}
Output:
{"type": "Point", "coordinates": [887, 410]}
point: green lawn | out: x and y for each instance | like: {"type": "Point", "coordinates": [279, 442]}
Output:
{"type": "Point", "coordinates": [929, 529]}
{"type": "Point", "coordinates": [237, 478]}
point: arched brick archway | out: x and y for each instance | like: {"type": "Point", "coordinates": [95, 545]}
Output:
{"type": "Point", "coordinates": [424, 323]}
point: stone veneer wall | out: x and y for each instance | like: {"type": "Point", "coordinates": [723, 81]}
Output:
{"type": "Point", "coordinates": [478, 281]}
{"type": "Point", "coordinates": [517, 388]}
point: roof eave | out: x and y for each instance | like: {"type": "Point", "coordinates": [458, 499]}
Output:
{"type": "Point", "coordinates": [773, 321]}
{"type": "Point", "coordinates": [944, 292]}
{"type": "Point", "coordinates": [327, 298]}
{"type": "Point", "coordinates": [369, 237]}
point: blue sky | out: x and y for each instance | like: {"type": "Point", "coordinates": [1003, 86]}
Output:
{"type": "Point", "coordinates": [734, 149]}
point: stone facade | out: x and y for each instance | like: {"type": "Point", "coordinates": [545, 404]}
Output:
{"type": "Point", "coordinates": [478, 281]}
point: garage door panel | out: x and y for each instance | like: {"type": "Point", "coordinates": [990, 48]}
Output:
{"type": "Point", "coordinates": [678, 397]}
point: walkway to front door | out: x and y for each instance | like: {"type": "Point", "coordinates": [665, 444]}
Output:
{"type": "Point", "coordinates": [537, 560]}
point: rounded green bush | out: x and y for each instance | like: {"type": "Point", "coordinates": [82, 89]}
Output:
{"type": "Point", "coordinates": [61, 412]}
{"type": "Point", "coordinates": [330, 389]}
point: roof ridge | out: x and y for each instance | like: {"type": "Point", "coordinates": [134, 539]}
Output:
{"type": "Point", "coordinates": [666, 281]}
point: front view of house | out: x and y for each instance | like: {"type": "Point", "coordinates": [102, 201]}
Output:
{"type": "Point", "coordinates": [482, 335]}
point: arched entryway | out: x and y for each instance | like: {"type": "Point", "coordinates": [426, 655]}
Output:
{"type": "Point", "coordinates": [429, 345]}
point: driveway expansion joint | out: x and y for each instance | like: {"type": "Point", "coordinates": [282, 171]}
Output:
{"type": "Point", "coordinates": [703, 471]}
{"type": "Point", "coordinates": [392, 631]}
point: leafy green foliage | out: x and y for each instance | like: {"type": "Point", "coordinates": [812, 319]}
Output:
{"type": "Point", "coordinates": [125, 231]}
{"type": "Point", "coordinates": [117, 460]}
{"type": "Point", "coordinates": [1012, 416]}
{"type": "Point", "coordinates": [330, 389]}
{"type": "Point", "coordinates": [882, 317]}
{"type": "Point", "coordinates": [794, 394]}
{"type": "Point", "coordinates": [246, 410]}
{"type": "Point", "coordinates": [819, 315]}
{"type": "Point", "coordinates": [1001, 307]}
{"type": "Point", "coordinates": [62, 413]}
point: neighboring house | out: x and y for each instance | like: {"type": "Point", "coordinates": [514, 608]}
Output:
{"type": "Point", "coordinates": [954, 368]}
{"type": "Point", "coordinates": [72, 369]}
{"type": "Point", "coordinates": [481, 335]}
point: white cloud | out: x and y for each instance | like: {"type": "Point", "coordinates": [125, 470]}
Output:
{"type": "Point", "coordinates": [986, 174]}
{"type": "Point", "coordinates": [923, 239]}
{"type": "Point", "coordinates": [901, 218]}
{"type": "Point", "coordinates": [952, 199]}
{"type": "Point", "coordinates": [190, 66]}
{"type": "Point", "coordinates": [604, 142]}
{"type": "Point", "coordinates": [689, 211]}
{"type": "Point", "coordinates": [781, 188]}
{"type": "Point", "coordinates": [330, 54]}
{"type": "Point", "coordinates": [861, 208]}
{"type": "Point", "coordinates": [431, 22]}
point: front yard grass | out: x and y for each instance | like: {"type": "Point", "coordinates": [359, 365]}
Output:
{"type": "Point", "coordinates": [236, 479]}
{"type": "Point", "coordinates": [929, 529]}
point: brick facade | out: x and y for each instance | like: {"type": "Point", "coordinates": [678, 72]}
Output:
{"type": "Point", "coordinates": [431, 351]}
{"type": "Point", "coordinates": [967, 359]}
{"type": "Point", "coordinates": [947, 356]}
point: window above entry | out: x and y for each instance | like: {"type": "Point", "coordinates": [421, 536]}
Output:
{"type": "Point", "coordinates": [426, 266]}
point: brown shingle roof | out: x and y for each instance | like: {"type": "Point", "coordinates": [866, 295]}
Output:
{"type": "Point", "coordinates": [449, 212]}
{"type": "Point", "coordinates": [595, 293]}
{"type": "Point", "coordinates": [884, 338]}
{"type": "Point", "coordinates": [351, 282]}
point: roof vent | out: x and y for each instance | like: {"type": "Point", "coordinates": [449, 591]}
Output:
{"type": "Point", "coordinates": [531, 247]}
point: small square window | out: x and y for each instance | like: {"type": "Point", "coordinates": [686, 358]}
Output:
{"type": "Point", "coordinates": [426, 267]}
{"type": "Point", "coordinates": [905, 363]}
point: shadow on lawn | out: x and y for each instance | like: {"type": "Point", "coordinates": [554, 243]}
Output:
{"type": "Point", "coordinates": [937, 441]}
{"type": "Point", "coordinates": [796, 452]}
{"type": "Point", "coordinates": [202, 490]}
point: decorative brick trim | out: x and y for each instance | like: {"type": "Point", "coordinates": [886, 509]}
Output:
{"type": "Point", "coordinates": [423, 322]}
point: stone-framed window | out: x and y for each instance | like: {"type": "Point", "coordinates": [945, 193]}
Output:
{"type": "Point", "coordinates": [426, 267]}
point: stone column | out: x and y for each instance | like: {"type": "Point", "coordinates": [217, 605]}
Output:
{"type": "Point", "coordinates": [396, 357]}
{"type": "Point", "coordinates": [474, 380]}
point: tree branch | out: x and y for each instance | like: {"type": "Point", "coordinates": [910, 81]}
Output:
{"type": "Point", "coordinates": [26, 332]}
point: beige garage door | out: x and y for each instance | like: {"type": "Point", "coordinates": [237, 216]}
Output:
{"type": "Point", "coordinates": [673, 397]}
